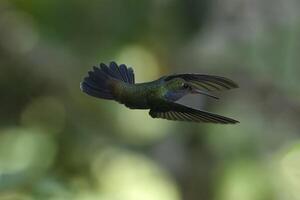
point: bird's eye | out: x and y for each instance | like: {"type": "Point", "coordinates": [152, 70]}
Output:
{"type": "Point", "coordinates": [185, 86]}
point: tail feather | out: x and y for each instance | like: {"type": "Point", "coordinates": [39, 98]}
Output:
{"type": "Point", "coordinates": [123, 72]}
{"type": "Point", "coordinates": [119, 72]}
{"type": "Point", "coordinates": [131, 75]}
{"type": "Point", "coordinates": [115, 71]}
{"type": "Point", "coordinates": [95, 92]}
{"type": "Point", "coordinates": [106, 70]}
{"type": "Point", "coordinates": [96, 83]}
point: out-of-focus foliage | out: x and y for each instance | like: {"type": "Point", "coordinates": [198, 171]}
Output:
{"type": "Point", "coordinates": [57, 143]}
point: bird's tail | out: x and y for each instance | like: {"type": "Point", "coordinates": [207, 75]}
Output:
{"type": "Point", "coordinates": [96, 83]}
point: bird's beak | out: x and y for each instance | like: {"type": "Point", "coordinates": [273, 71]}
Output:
{"type": "Point", "coordinates": [194, 90]}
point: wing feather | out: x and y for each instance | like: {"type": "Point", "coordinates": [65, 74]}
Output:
{"type": "Point", "coordinates": [206, 82]}
{"type": "Point", "coordinates": [174, 111]}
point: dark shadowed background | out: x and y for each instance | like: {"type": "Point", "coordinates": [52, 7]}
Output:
{"type": "Point", "coordinates": [57, 143]}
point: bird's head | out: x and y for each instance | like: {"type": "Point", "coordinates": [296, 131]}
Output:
{"type": "Point", "coordinates": [178, 85]}
{"type": "Point", "coordinates": [177, 88]}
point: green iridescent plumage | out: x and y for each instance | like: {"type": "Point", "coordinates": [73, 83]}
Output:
{"type": "Point", "coordinates": [117, 83]}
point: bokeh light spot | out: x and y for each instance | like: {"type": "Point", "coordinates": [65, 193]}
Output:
{"type": "Point", "coordinates": [130, 176]}
{"type": "Point", "coordinates": [138, 127]}
{"type": "Point", "coordinates": [144, 63]}
{"type": "Point", "coordinates": [15, 196]}
{"type": "Point", "coordinates": [22, 151]}
{"type": "Point", "coordinates": [290, 171]}
{"type": "Point", "coordinates": [244, 180]}
{"type": "Point", "coordinates": [18, 31]}
{"type": "Point", "coordinates": [45, 113]}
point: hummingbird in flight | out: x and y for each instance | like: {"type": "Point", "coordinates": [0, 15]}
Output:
{"type": "Point", "coordinates": [117, 82]}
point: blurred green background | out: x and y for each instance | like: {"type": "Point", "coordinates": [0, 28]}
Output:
{"type": "Point", "coordinates": [57, 143]}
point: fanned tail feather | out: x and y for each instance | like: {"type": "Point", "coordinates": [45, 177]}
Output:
{"type": "Point", "coordinates": [120, 72]}
{"type": "Point", "coordinates": [96, 84]}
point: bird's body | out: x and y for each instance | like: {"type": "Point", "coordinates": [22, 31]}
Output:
{"type": "Point", "coordinates": [160, 96]}
{"type": "Point", "coordinates": [136, 96]}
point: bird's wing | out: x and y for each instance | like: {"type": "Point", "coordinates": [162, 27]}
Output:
{"type": "Point", "coordinates": [206, 82]}
{"type": "Point", "coordinates": [174, 111]}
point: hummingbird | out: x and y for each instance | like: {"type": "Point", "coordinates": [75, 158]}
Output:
{"type": "Point", "coordinates": [117, 82]}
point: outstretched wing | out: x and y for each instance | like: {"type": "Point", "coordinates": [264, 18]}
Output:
{"type": "Point", "coordinates": [174, 111]}
{"type": "Point", "coordinates": [206, 82]}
